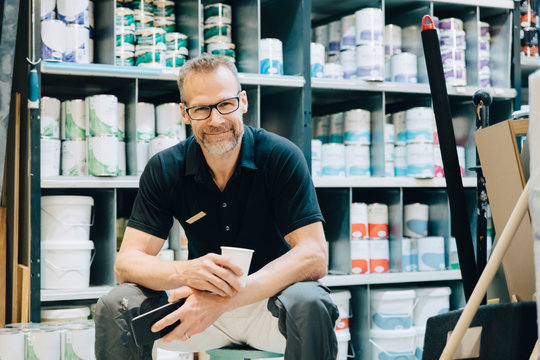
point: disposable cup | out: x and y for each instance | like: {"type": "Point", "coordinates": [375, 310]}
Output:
{"type": "Point", "coordinates": [240, 257]}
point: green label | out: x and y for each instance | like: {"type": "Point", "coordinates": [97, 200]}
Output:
{"type": "Point", "coordinates": [125, 39]}
{"type": "Point", "coordinates": [224, 52]}
{"type": "Point", "coordinates": [72, 130]}
{"type": "Point", "coordinates": [121, 135]}
{"type": "Point", "coordinates": [150, 39]}
{"type": "Point", "coordinates": [177, 44]}
{"type": "Point", "coordinates": [98, 127]}
{"type": "Point", "coordinates": [69, 353]}
{"type": "Point", "coordinates": [215, 31]}
{"type": "Point", "coordinates": [175, 61]}
{"type": "Point", "coordinates": [95, 167]}
{"type": "Point", "coordinates": [163, 10]}
{"type": "Point", "coordinates": [148, 57]}
{"type": "Point", "coordinates": [122, 61]}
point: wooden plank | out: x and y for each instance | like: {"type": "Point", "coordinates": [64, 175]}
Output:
{"type": "Point", "coordinates": [14, 205]}
{"type": "Point", "coordinates": [3, 265]}
{"type": "Point", "coordinates": [23, 290]}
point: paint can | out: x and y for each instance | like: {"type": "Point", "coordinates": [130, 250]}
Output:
{"type": "Point", "coordinates": [122, 158]}
{"type": "Point", "coordinates": [378, 221]}
{"type": "Point", "coordinates": [322, 128]}
{"type": "Point", "coordinates": [370, 62]}
{"type": "Point", "coordinates": [43, 344]}
{"type": "Point", "coordinates": [176, 41]}
{"type": "Point", "coordinates": [334, 37]}
{"type": "Point", "coordinates": [142, 155]}
{"type": "Point", "coordinates": [124, 57]}
{"type": "Point", "coordinates": [357, 160]}
{"type": "Point", "coordinates": [103, 155]}
{"type": "Point", "coordinates": [409, 255]}
{"type": "Point", "coordinates": [125, 38]}
{"type": "Point", "coordinates": [399, 119]}
{"type": "Point", "coordinates": [415, 219]}
{"type": "Point", "coordinates": [392, 40]}
{"type": "Point", "coordinates": [359, 256]}
{"type": "Point", "coordinates": [336, 128]}
{"type": "Point", "coordinates": [317, 60]}
{"type": "Point", "coordinates": [73, 120]}
{"type": "Point", "coordinates": [357, 125]}
{"type": "Point", "coordinates": [73, 12]}
{"type": "Point", "coordinates": [74, 158]}
{"type": "Point", "coordinates": [50, 117]}
{"type": "Point", "coordinates": [369, 26]}
{"type": "Point", "coordinates": [389, 154]}
{"type": "Point", "coordinates": [50, 157]}
{"type": "Point", "coordinates": [217, 32]}
{"type": "Point", "coordinates": [160, 143]}
{"type": "Point", "coordinates": [11, 344]}
{"type": "Point", "coordinates": [451, 24]}
{"type": "Point", "coordinates": [124, 17]}
{"type": "Point", "coordinates": [452, 56]}
{"type": "Point", "coordinates": [271, 56]}
{"type": "Point", "coordinates": [102, 113]}
{"type": "Point", "coordinates": [169, 121]}
{"type": "Point", "coordinates": [454, 39]}
{"type": "Point", "coordinates": [404, 68]}
{"type": "Point", "coordinates": [163, 8]}
{"type": "Point", "coordinates": [389, 134]}
{"type": "Point", "coordinates": [316, 149]}
{"type": "Point", "coordinates": [389, 168]}
{"type": "Point", "coordinates": [53, 40]}
{"type": "Point", "coordinates": [333, 159]}
{"type": "Point", "coordinates": [150, 56]}
{"type": "Point", "coordinates": [320, 35]}
{"type": "Point", "coordinates": [332, 71]}
{"type": "Point", "coordinates": [146, 5]}
{"type": "Point", "coordinates": [420, 160]}
{"type": "Point", "coordinates": [221, 48]}
{"type": "Point", "coordinates": [77, 341]}
{"type": "Point", "coordinates": [149, 36]}
{"type": "Point", "coordinates": [431, 253]}
{"type": "Point", "coordinates": [121, 133]}
{"type": "Point", "coordinates": [217, 13]}
{"type": "Point", "coordinates": [419, 123]}
{"type": "Point", "coordinates": [146, 121]}
{"type": "Point", "coordinates": [359, 220]}
{"type": "Point", "coordinates": [347, 58]}
{"type": "Point", "coordinates": [48, 10]}
{"type": "Point", "coordinates": [348, 32]}
{"type": "Point", "coordinates": [379, 256]}
{"type": "Point", "coordinates": [143, 19]}
{"type": "Point", "coordinates": [455, 75]}
{"type": "Point", "coordinates": [174, 59]}
{"type": "Point", "coordinates": [77, 47]}
{"type": "Point", "coordinates": [400, 163]}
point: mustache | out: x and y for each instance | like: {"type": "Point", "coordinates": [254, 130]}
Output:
{"type": "Point", "coordinates": [212, 129]}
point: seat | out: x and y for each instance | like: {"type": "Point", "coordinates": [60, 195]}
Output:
{"type": "Point", "coordinates": [240, 354]}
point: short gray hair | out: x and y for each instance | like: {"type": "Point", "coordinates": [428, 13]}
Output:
{"type": "Point", "coordinates": [203, 64]}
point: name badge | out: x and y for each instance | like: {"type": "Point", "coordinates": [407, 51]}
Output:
{"type": "Point", "coordinates": [196, 217]}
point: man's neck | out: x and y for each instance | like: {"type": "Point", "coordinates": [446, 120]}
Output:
{"type": "Point", "coordinates": [222, 165]}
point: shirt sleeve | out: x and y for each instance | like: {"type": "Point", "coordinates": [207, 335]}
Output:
{"type": "Point", "coordinates": [151, 211]}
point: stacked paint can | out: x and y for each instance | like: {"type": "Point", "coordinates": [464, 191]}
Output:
{"type": "Point", "coordinates": [73, 134]}
{"type": "Point", "coordinates": [50, 137]}
{"type": "Point", "coordinates": [125, 37]}
{"type": "Point", "coordinates": [528, 28]}
{"type": "Point", "coordinates": [67, 33]}
{"type": "Point", "coordinates": [389, 150]}
{"type": "Point", "coordinates": [369, 44]}
{"type": "Point", "coordinates": [453, 45]}
{"type": "Point", "coordinates": [271, 56]}
{"type": "Point", "coordinates": [419, 126]}
{"type": "Point", "coordinates": [415, 225]}
{"type": "Point", "coordinates": [400, 141]}
{"type": "Point", "coordinates": [316, 157]}
{"type": "Point", "coordinates": [342, 300]}
{"type": "Point", "coordinates": [217, 30]}
{"type": "Point", "coordinates": [399, 66]}
{"type": "Point", "coordinates": [484, 55]}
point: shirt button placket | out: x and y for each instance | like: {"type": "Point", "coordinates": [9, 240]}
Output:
{"type": "Point", "coordinates": [227, 228]}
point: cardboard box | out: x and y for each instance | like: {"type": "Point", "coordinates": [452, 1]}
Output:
{"type": "Point", "coordinates": [505, 180]}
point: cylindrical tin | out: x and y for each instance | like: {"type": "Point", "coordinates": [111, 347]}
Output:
{"type": "Point", "coordinates": [124, 58]}
{"type": "Point", "coordinates": [359, 256]}
{"type": "Point", "coordinates": [451, 24]}
{"type": "Point", "coordinates": [142, 154]}
{"type": "Point", "coordinates": [220, 48]}
{"type": "Point", "coordinates": [165, 24]}
{"type": "Point", "coordinates": [348, 32]}
{"type": "Point", "coordinates": [217, 13]}
{"type": "Point", "coordinates": [150, 56]}
{"type": "Point", "coordinates": [409, 255]}
{"type": "Point", "coordinates": [50, 157]}
{"type": "Point", "coordinates": [400, 163]}
{"type": "Point", "coordinates": [102, 113]}
{"type": "Point", "coordinates": [74, 158]}
{"type": "Point", "coordinates": [336, 128]}
{"type": "Point", "coordinates": [176, 41]}
{"type": "Point", "coordinates": [333, 159]}
{"type": "Point", "coordinates": [438, 166]}
{"type": "Point", "coordinates": [271, 56]}
{"type": "Point", "coordinates": [389, 154]}
{"type": "Point", "coordinates": [160, 143]}
{"type": "Point", "coordinates": [174, 59]}
{"type": "Point", "coordinates": [452, 56]}
{"type": "Point", "coordinates": [431, 253]}
{"type": "Point", "coordinates": [146, 5]}
{"type": "Point", "coordinates": [143, 19]}
{"type": "Point", "coordinates": [378, 221]}
{"type": "Point", "coordinates": [455, 75]}
{"type": "Point", "coordinates": [77, 46]}
{"type": "Point", "coordinates": [400, 127]}
{"type": "Point", "coordinates": [317, 60]}
{"type": "Point", "coordinates": [11, 344]}
{"type": "Point", "coordinates": [357, 125]}
{"type": "Point", "coordinates": [379, 256]}
{"type": "Point", "coordinates": [389, 168]}
{"type": "Point", "coordinates": [50, 117]}
{"type": "Point", "coordinates": [415, 220]}
{"type": "Point", "coordinates": [454, 39]}
{"type": "Point", "coordinates": [347, 58]}
{"type": "Point", "coordinates": [320, 35]}
{"type": "Point", "coordinates": [124, 17]}
{"type": "Point", "coordinates": [369, 26]}
{"type": "Point", "coordinates": [146, 121]}
{"type": "Point", "coordinates": [43, 344]}
{"type": "Point", "coordinates": [48, 10]}
{"type": "Point", "coordinates": [73, 125]}
{"type": "Point", "coordinates": [53, 40]}
{"type": "Point", "coordinates": [419, 124]}
{"type": "Point", "coordinates": [392, 40]}
{"type": "Point", "coordinates": [370, 62]}
{"type": "Point", "coordinates": [77, 341]}
{"type": "Point", "coordinates": [404, 68]}
{"type": "Point", "coordinates": [357, 160]}
{"type": "Point", "coordinates": [389, 134]}
{"type": "Point", "coordinates": [163, 8]}
{"type": "Point", "coordinates": [359, 220]}
{"type": "Point", "coordinates": [150, 36]}
{"type": "Point", "coordinates": [333, 71]}
{"type": "Point", "coordinates": [168, 120]}
{"type": "Point", "coordinates": [103, 155]}
{"type": "Point", "coordinates": [420, 160]}
{"type": "Point", "coordinates": [217, 32]}
{"type": "Point", "coordinates": [73, 12]}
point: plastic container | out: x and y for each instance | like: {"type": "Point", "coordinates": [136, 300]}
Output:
{"type": "Point", "coordinates": [66, 265]}
{"type": "Point", "coordinates": [342, 300]}
{"type": "Point", "coordinates": [64, 313]}
{"type": "Point", "coordinates": [392, 309]}
{"type": "Point", "coordinates": [343, 338]}
{"type": "Point", "coordinates": [393, 344]}
{"type": "Point", "coordinates": [430, 301]}
{"type": "Point", "coordinates": [66, 218]}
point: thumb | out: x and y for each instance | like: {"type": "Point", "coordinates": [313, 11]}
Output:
{"type": "Point", "coordinates": [180, 293]}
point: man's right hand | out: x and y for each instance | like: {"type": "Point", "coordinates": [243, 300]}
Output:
{"type": "Point", "coordinates": [211, 272]}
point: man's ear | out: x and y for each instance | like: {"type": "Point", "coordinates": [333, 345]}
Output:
{"type": "Point", "coordinates": [185, 116]}
{"type": "Point", "coordinates": [244, 101]}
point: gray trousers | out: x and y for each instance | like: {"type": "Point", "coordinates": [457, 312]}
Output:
{"type": "Point", "coordinates": [306, 317]}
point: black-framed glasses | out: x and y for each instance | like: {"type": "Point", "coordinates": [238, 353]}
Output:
{"type": "Point", "coordinates": [224, 107]}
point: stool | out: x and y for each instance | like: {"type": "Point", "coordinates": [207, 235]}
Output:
{"type": "Point", "coordinates": [240, 354]}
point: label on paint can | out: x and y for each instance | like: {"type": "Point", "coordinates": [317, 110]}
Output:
{"type": "Point", "coordinates": [150, 56]}
{"type": "Point", "coordinates": [53, 40]}
{"type": "Point", "coordinates": [143, 19]}
{"type": "Point", "coordinates": [174, 59]}
{"type": "Point", "coordinates": [336, 128]}
{"type": "Point", "coordinates": [400, 163]}
{"type": "Point", "coordinates": [348, 61]}
{"type": "Point", "coordinates": [415, 220]}
{"type": "Point", "coordinates": [149, 36]}
{"type": "Point", "coordinates": [379, 256]}
{"type": "Point", "coordinates": [78, 342]}
{"type": "Point", "coordinates": [73, 12]}
{"type": "Point", "coordinates": [369, 26]}
{"type": "Point", "coordinates": [168, 118]}
{"type": "Point", "coordinates": [218, 32]}
{"type": "Point", "coordinates": [146, 123]}
{"type": "Point", "coordinates": [437, 162]}
{"type": "Point", "coordinates": [217, 13]}
{"type": "Point", "coordinates": [392, 40]}
{"type": "Point", "coordinates": [124, 17]}
{"type": "Point", "coordinates": [102, 113]}
{"type": "Point", "coordinates": [419, 124]}
{"type": "Point", "coordinates": [124, 58]}
{"type": "Point", "coordinates": [431, 253]}
{"type": "Point", "coordinates": [357, 125]}
{"type": "Point", "coordinates": [404, 68]}
{"type": "Point", "coordinates": [47, 12]}
{"type": "Point", "coordinates": [359, 220]}
{"type": "Point", "coordinates": [103, 155]}
{"type": "Point", "coordinates": [317, 60]}
{"type": "Point", "coordinates": [333, 159]}
{"type": "Point", "coordinates": [220, 48]}
{"type": "Point", "coordinates": [370, 62]}
{"type": "Point", "coordinates": [177, 41]}
{"type": "Point", "coordinates": [271, 56]}
{"type": "Point", "coordinates": [50, 117]}
{"type": "Point", "coordinates": [77, 47]}
{"type": "Point", "coordinates": [359, 256]}
{"type": "Point", "coordinates": [334, 36]}
{"type": "Point", "coordinates": [121, 121]}
{"type": "Point", "coordinates": [357, 160]}
{"type": "Point", "coordinates": [348, 32]}
{"type": "Point", "coordinates": [74, 158]}
{"type": "Point", "coordinates": [333, 71]}
{"type": "Point", "coordinates": [160, 143]}
{"type": "Point", "coordinates": [378, 221]}
{"type": "Point", "coordinates": [43, 344]}
{"type": "Point", "coordinates": [163, 8]}
{"type": "Point", "coordinates": [420, 160]}
{"type": "Point", "coordinates": [409, 255]}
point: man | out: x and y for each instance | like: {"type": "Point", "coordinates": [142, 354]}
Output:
{"type": "Point", "coordinates": [228, 185]}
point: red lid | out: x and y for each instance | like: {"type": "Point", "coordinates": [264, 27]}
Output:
{"type": "Point", "coordinates": [429, 25]}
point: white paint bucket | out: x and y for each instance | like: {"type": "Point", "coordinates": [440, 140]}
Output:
{"type": "Point", "coordinates": [77, 47]}
{"type": "Point", "coordinates": [50, 117]}
{"type": "Point", "coordinates": [217, 32]}
{"type": "Point", "coordinates": [348, 32]}
{"type": "Point", "coordinates": [392, 40]}
{"type": "Point", "coordinates": [43, 344]}
{"type": "Point", "coordinates": [317, 60]}
{"type": "Point", "coordinates": [399, 119]}
{"type": "Point", "coordinates": [333, 71]}
{"type": "Point", "coordinates": [431, 253]}
{"type": "Point", "coordinates": [316, 149]}
{"type": "Point", "coordinates": [322, 128]}
{"type": "Point", "coordinates": [334, 36]}
{"type": "Point", "coordinates": [377, 221]}
{"type": "Point", "coordinates": [66, 264]}
{"type": "Point", "coordinates": [419, 124]}
{"type": "Point", "coordinates": [400, 164]}
{"type": "Point", "coordinates": [347, 59]}
{"type": "Point", "coordinates": [62, 314]}
{"type": "Point", "coordinates": [11, 344]}
{"type": "Point", "coordinates": [217, 13]}
{"type": "Point", "coordinates": [369, 27]}
{"type": "Point", "coordinates": [391, 309]}
{"type": "Point", "coordinates": [404, 68]}
{"type": "Point", "coordinates": [420, 160]}
{"type": "Point", "coordinates": [359, 256]}
{"type": "Point", "coordinates": [48, 11]}
{"type": "Point", "coordinates": [102, 113]}
{"type": "Point", "coordinates": [419, 342]}
{"type": "Point", "coordinates": [343, 338]}
{"type": "Point", "coordinates": [121, 130]}
{"type": "Point", "coordinates": [174, 59]}
{"type": "Point", "coordinates": [103, 155]}
{"type": "Point", "coordinates": [333, 159]}
{"type": "Point", "coordinates": [78, 341]}
{"type": "Point", "coordinates": [389, 134]}
{"type": "Point", "coordinates": [415, 218]}
{"type": "Point", "coordinates": [125, 38]}
{"type": "Point", "coordinates": [73, 126]}
{"type": "Point", "coordinates": [160, 143]}
{"type": "Point", "coordinates": [370, 62]}
{"type": "Point", "coordinates": [342, 299]}
{"type": "Point", "coordinates": [409, 255]}
{"type": "Point", "coordinates": [379, 256]}
{"type": "Point", "coordinates": [142, 155]}
{"type": "Point", "coordinates": [122, 158]}
{"type": "Point", "coordinates": [389, 154]}
{"type": "Point", "coordinates": [392, 344]}
{"type": "Point", "coordinates": [270, 56]}
{"type": "Point", "coordinates": [74, 161]}
{"type": "Point", "coordinates": [66, 218]}
{"type": "Point", "coordinates": [359, 220]}
{"type": "Point", "coordinates": [430, 301]}
{"type": "Point", "coordinates": [146, 121]}
{"type": "Point", "coordinates": [221, 48]}
{"type": "Point", "coordinates": [336, 128]}
{"type": "Point", "coordinates": [73, 12]}
{"type": "Point", "coordinates": [357, 160]}
{"type": "Point", "coordinates": [438, 166]}
{"type": "Point", "coordinates": [169, 121]}
{"type": "Point", "coordinates": [357, 126]}
{"type": "Point", "coordinates": [49, 157]}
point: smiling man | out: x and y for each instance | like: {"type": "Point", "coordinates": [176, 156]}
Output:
{"type": "Point", "coordinates": [228, 185]}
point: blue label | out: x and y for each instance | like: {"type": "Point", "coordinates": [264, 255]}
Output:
{"type": "Point", "coordinates": [72, 56]}
{"type": "Point", "coordinates": [434, 261]}
{"type": "Point", "coordinates": [420, 170]}
{"type": "Point", "coordinates": [317, 70]}
{"type": "Point", "coordinates": [333, 170]}
{"type": "Point", "coordinates": [400, 171]}
{"type": "Point", "coordinates": [409, 262]}
{"type": "Point", "coordinates": [349, 74]}
{"type": "Point", "coordinates": [272, 67]}
{"type": "Point", "coordinates": [358, 136]}
{"type": "Point", "coordinates": [404, 78]}
{"type": "Point", "coordinates": [336, 138]}
{"type": "Point", "coordinates": [392, 321]}
{"type": "Point", "coordinates": [333, 46]}
{"type": "Point", "coordinates": [419, 135]}
{"type": "Point", "coordinates": [348, 41]}
{"type": "Point", "coordinates": [80, 18]}
{"type": "Point", "coordinates": [50, 54]}
{"type": "Point", "coordinates": [359, 171]}
{"type": "Point", "coordinates": [370, 71]}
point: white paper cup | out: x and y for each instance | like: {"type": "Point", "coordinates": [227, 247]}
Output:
{"type": "Point", "coordinates": [240, 257]}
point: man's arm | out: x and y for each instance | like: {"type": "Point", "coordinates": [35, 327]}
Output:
{"type": "Point", "coordinates": [137, 263]}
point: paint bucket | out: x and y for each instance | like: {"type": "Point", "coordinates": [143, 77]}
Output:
{"type": "Point", "coordinates": [163, 8]}
{"type": "Point", "coordinates": [43, 344]}
{"type": "Point", "coordinates": [103, 155]}
{"type": "Point", "coordinates": [270, 56]}
{"type": "Point", "coordinates": [392, 40]}
{"type": "Point", "coordinates": [333, 159]}
{"type": "Point", "coordinates": [336, 128]}
{"type": "Point", "coordinates": [174, 59]}
{"type": "Point", "coordinates": [160, 143]}
{"type": "Point", "coordinates": [63, 314]}
{"type": "Point", "coordinates": [320, 35]}
{"type": "Point", "coordinates": [438, 166]}
{"type": "Point", "coordinates": [217, 13]}
{"type": "Point", "coordinates": [49, 157]}
{"type": "Point", "coordinates": [389, 168]}
{"type": "Point", "coordinates": [143, 19]}
{"type": "Point", "coordinates": [66, 264]}
{"type": "Point", "coordinates": [74, 157]}
{"type": "Point", "coordinates": [357, 124]}
{"type": "Point", "coordinates": [341, 299]}
{"type": "Point", "coordinates": [222, 48]}
{"type": "Point", "coordinates": [316, 149]}
{"type": "Point", "coordinates": [317, 60]}
{"type": "Point", "coordinates": [343, 338]}
{"type": "Point", "coordinates": [389, 154]}
{"type": "Point", "coordinates": [322, 128]}
{"type": "Point", "coordinates": [420, 160]}
{"type": "Point", "coordinates": [169, 121]}
{"type": "Point", "coordinates": [392, 344]}
{"type": "Point", "coordinates": [73, 12]}
{"type": "Point", "coordinates": [415, 218]}
{"type": "Point", "coordinates": [334, 37]}
{"type": "Point", "coordinates": [152, 56]}
{"type": "Point", "coordinates": [409, 255]}
{"type": "Point", "coordinates": [370, 62]}
{"type": "Point", "coordinates": [419, 342]}
{"type": "Point", "coordinates": [431, 254]}
{"type": "Point", "coordinates": [122, 159]}
{"type": "Point", "coordinates": [377, 221]}
{"type": "Point", "coordinates": [102, 113]}
{"type": "Point", "coordinates": [77, 47]}
{"type": "Point", "coordinates": [50, 117]}
{"type": "Point", "coordinates": [146, 5]}
{"type": "Point", "coordinates": [77, 341]}
{"type": "Point", "coordinates": [453, 56]}
{"type": "Point", "coordinates": [217, 32]}
{"type": "Point", "coordinates": [11, 344]}
{"type": "Point", "coordinates": [66, 218]}
{"type": "Point", "coordinates": [73, 126]}
{"type": "Point", "coordinates": [359, 256]}
{"type": "Point", "coordinates": [347, 59]}
{"type": "Point", "coordinates": [348, 32]}
{"type": "Point", "coordinates": [359, 220]}
{"type": "Point", "coordinates": [419, 124]}
{"type": "Point", "coordinates": [146, 121]}
{"type": "Point", "coordinates": [48, 11]}
{"type": "Point", "coordinates": [125, 38]}
{"type": "Point", "coordinates": [404, 68]}
{"type": "Point", "coordinates": [176, 41]}
{"type": "Point", "coordinates": [391, 309]}
{"type": "Point", "coordinates": [369, 26]}
{"type": "Point", "coordinates": [333, 71]}
{"type": "Point", "coordinates": [400, 163]}
{"type": "Point", "coordinates": [430, 301]}
{"type": "Point", "coordinates": [142, 155]}
{"type": "Point", "coordinates": [389, 134]}
{"type": "Point", "coordinates": [379, 256]}
{"type": "Point", "coordinates": [399, 119]}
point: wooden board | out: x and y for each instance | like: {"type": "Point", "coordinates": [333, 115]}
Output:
{"type": "Point", "coordinates": [23, 293]}
{"type": "Point", "coordinates": [14, 218]}
{"type": "Point", "coordinates": [3, 266]}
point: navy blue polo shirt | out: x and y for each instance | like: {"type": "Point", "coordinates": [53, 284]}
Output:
{"type": "Point", "coordinates": [269, 195]}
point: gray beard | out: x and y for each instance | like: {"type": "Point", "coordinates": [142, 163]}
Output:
{"type": "Point", "coordinates": [225, 146]}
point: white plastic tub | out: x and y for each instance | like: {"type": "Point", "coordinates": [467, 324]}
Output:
{"type": "Point", "coordinates": [66, 264]}
{"type": "Point", "coordinates": [430, 301]}
{"type": "Point", "coordinates": [66, 218]}
{"type": "Point", "coordinates": [343, 338]}
{"type": "Point", "coordinates": [419, 342]}
{"type": "Point", "coordinates": [392, 344]}
{"type": "Point", "coordinates": [342, 300]}
{"type": "Point", "coordinates": [392, 309]}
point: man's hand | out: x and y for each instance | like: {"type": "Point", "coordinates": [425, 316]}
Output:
{"type": "Point", "coordinates": [200, 310]}
{"type": "Point", "coordinates": [212, 272]}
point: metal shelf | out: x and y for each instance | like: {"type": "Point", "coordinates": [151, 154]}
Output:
{"type": "Point", "coordinates": [529, 65]}
{"type": "Point", "coordinates": [82, 182]}
{"type": "Point", "coordinates": [501, 4]}
{"type": "Point", "coordinates": [391, 278]}
{"type": "Point", "coordinates": [385, 182]}
{"type": "Point", "coordinates": [103, 70]}
{"type": "Point", "coordinates": [93, 292]}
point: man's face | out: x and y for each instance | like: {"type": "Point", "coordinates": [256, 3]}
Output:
{"type": "Point", "coordinates": [218, 134]}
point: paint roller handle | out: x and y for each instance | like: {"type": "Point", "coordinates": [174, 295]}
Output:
{"type": "Point", "coordinates": [482, 100]}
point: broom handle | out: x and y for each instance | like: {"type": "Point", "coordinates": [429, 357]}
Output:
{"type": "Point", "coordinates": [487, 275]}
